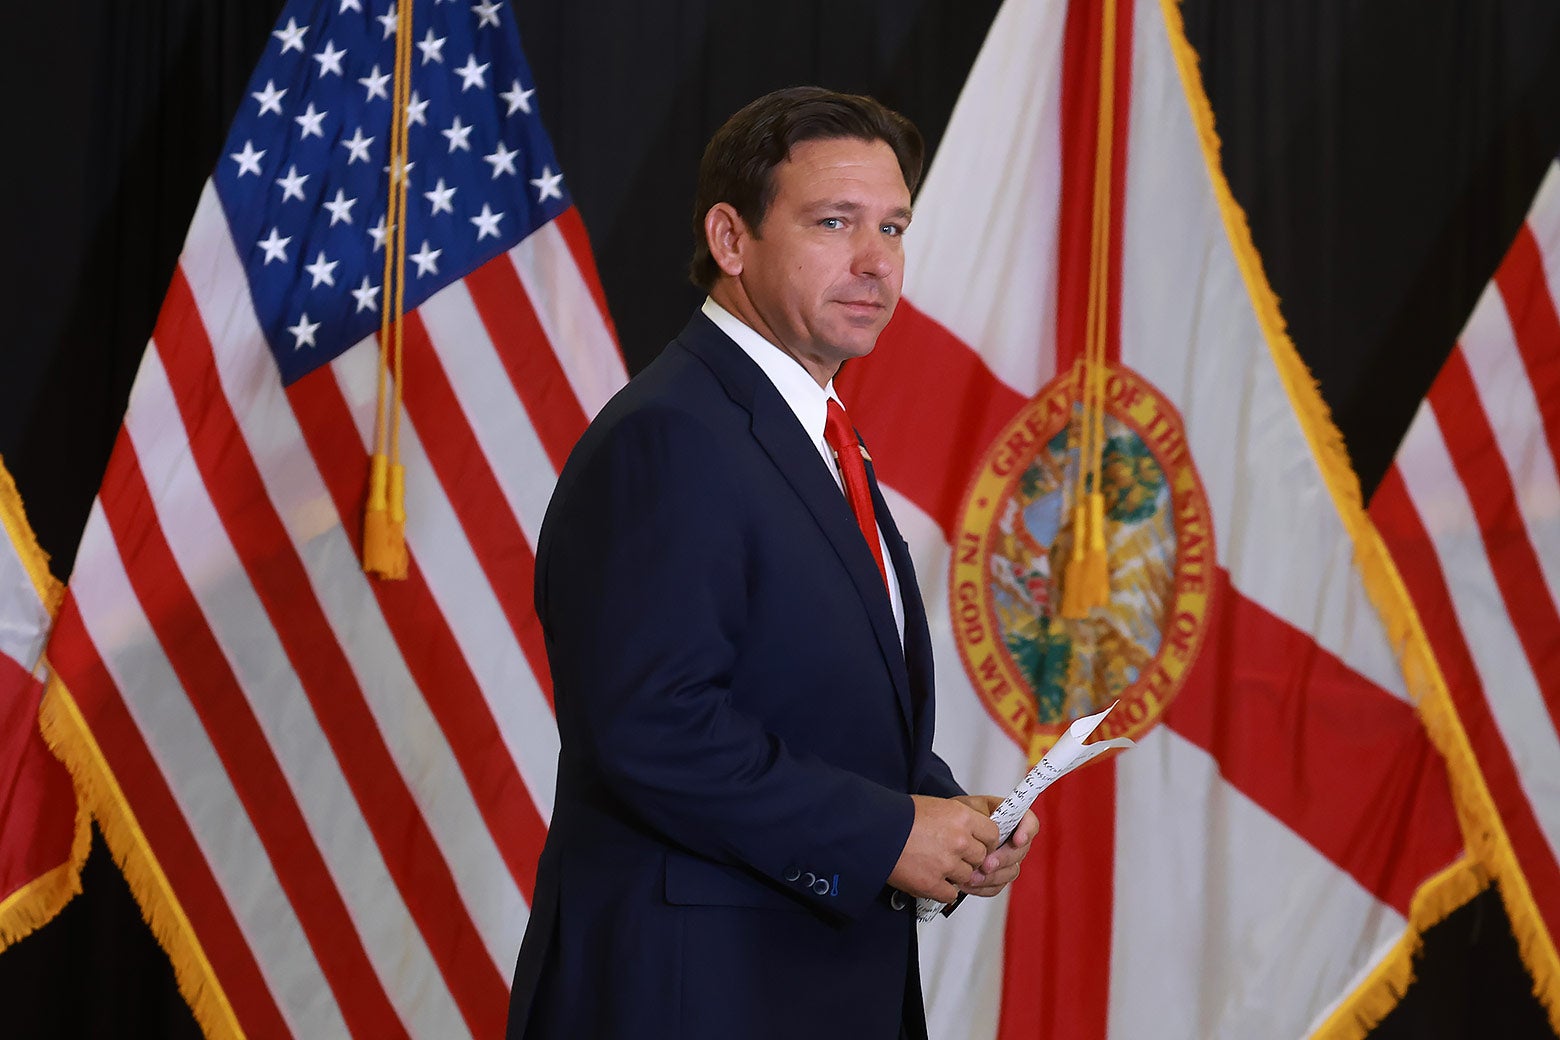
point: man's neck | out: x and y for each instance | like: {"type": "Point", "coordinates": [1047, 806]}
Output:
{"type": "Point", "coordinates": [728, 293]}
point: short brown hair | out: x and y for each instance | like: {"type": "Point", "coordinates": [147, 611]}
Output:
{"type": "Point", "coordinates": [739, 163]}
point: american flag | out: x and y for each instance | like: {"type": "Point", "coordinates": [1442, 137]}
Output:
{"type": "Point", "coordinates": [1471, 510]}
{"type": "Point", "coordinates": [329, 792]}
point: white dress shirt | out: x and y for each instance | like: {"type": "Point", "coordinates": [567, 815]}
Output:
{"type": "Point", "coordinates": [810, 403]}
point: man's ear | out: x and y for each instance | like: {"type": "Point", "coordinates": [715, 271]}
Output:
{"type": "Point", "coordinates": [725, 233]}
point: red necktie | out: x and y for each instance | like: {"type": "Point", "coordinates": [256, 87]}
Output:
{"type": "Point", "coordinates": [841, 436]}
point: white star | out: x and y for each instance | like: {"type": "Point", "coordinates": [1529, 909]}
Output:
{"type": "Point", "coordinates": [330, 59]}
{"type": "Point", "coordinates": [503, 160]}
{"type": "Point", "coordinates": [292, 36]}
{"type": "Point", "coordinates": [440, 197]}
{"type": "Point", "coordinates": [322, 270]}
{"type": "Point", "coordinates": [518, 99]}
{"type": "Point", "coordinates": [366, 296]}
{"type": "Point", "coordinates": [350, 5]}
{"type": "Point", "coordinates": [471, 74]}
{"type": "Point", "coordinates": [303, 332]}
{"type": "Point", "coordinates": [249, 160]}
{"type": "Point", "coordinates": [292, 184]}
{"type": "Point", "coordinates": [427, 260]}
{"type": "Point", "coordinates": [378, 233]}
{"type": "Point", "coordinates": [310, 121]}
{"type": "Point", "coordinates": [357, 145]}
{"type": "Point", "coordinates": [432, 48]}
{"type": "Point", "coordinates": [340, 208]}
{"type": "Point", "coordinates": [457, 135]}
{"type": "Point", "coordinates": [547, 185]}
{"type": "Point", "coordinates": [270, 98]}
{"type": "Point", "coordinates": [375, 83]}
{"type": "Point", "coordinates": [388, 21]}
{"type": "Point", "coordinates": [415, 110]}
{"type": "Point", "coordinates": [406, 171]}
{"type": "Point", "coordinates": [275, 246]}
{"type": "Point", "coordinates": [487, 14]}
{"type": "Point", "coordinates": [487, 222]}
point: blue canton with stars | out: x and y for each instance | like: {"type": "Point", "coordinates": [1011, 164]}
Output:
{"type": "Point", "coordinates": [304, 180]}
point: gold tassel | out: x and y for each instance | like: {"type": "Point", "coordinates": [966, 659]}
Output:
{"type": "Point", "coordinates": [384, 521]}
{"type": "Point", "coordinates": [1075, 605]}
{"type": "Point", "coordinates": [1095, 571]}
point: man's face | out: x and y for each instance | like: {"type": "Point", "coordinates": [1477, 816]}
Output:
{"type": "Point", "coordinates": [823, 273]}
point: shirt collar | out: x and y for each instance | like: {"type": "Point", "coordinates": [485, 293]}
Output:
{"type": "Point", "coordinates": [808, 400]}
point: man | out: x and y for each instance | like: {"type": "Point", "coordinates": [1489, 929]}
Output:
{"type": "Point", "coordinates": [747, 799]}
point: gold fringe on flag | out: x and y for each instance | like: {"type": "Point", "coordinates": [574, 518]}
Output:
{"type": "Point", "coordinates": [1491, 856]}
{"type": "Point", "coordinates": [69, 737]}
{"type": "Point", "coordinates": [1086, 582]}
{"type": "Point", "coordinates": [384, 516]}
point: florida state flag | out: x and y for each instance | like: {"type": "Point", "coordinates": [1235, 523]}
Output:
{"type": "Point", "coordinates": [1119, 483]}
{"type": "Point", "coordinates": [44, 837]}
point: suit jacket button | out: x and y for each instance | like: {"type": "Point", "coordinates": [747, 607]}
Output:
{"type": "Point", "coordinates": [898, 900]}
{"type": "Point", "coordinates": [791, 873]}
{"type": "Point", "coordinates": [808, 879]}
{"type": "Point", "coordinates": [821, 887]}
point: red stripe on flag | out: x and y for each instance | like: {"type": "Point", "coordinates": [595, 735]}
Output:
{"type": "Point", "coordinates": [1057, 937]}
{"type": "Point", "coordinates": [427, 644]}
{"type": "Point", "coordinates": [1536, 325]}
{"type": "Point", "coordinates": [278, 575]}
{"type": "Point", "coordinates": [1412, 548]}
{"type": "Point", "coordinates": [37, 801]}
{"type": "Point", "coordinates": [528, 357]}
{"type": "Point", "coordinates": [1081, 49]}
{"type": "Point", "coordinates": [575, 237]}
{"type": "Point", "coordinates": [240, 742]}
{"type": "Point", "coordinates": [1476, 456]}
{"type": "Point", "coordinates": [167, 833]}
{"type": "Point", "coordinates": [1331, 755]}
{"type": "Point", "coordinates": [932, 406]}
{"type": "Point", "coordinates": [491, 527]}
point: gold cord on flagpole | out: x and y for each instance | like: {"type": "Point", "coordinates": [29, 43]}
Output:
{"type": "Point", "coordinates": [1086, 583]}
{"type": "Point", "coordinates": [384, 517]}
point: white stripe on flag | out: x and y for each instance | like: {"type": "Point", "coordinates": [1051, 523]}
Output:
{"type": "Point", "coordinates": [1489, 346]}
{"type": "Point", "coordinates": [490, 406]}
{"type": "Point", "coordinates": [568, 314]}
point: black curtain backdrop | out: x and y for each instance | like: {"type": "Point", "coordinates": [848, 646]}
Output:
{"type": "Point", "coordinates": [1384, 153]}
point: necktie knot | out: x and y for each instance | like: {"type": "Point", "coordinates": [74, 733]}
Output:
{"type": "Point", "coordinates": [841, 437]}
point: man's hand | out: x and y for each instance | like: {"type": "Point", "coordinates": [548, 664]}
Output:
{"type": "Point", "coordinates": [949, 841]}
{"type": "Point", "coordinates": [1000, 867]}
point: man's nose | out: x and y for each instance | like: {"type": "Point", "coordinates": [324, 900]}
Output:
{"type": "Point", "coordinates": [874, 254]}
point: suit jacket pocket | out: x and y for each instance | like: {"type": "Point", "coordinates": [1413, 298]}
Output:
{"type": "Point", "coordinates": [691, 881]}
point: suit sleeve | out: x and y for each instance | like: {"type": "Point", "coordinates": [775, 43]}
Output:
{"type": "Point", "coordinates": [642, 590]}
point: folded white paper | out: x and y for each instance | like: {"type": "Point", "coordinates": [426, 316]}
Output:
{"type": "Point", "coordinates": [1068, 753]}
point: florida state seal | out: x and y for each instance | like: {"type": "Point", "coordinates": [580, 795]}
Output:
{"type": "Point", "coordinates": [1035, 670]}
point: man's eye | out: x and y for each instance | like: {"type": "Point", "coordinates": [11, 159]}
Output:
{"type": "Point", "coordinates": [892, 230]}
{"type": "Point", "coordinates": [831, 223]}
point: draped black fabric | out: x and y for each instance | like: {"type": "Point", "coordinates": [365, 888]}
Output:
{"type": "Point", "coordinates": [1384, 153]}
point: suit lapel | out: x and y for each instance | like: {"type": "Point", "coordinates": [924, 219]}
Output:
{"type": "Point", "coordinates": [918, 636]}
{"type": "Point", "coordinates": [776, 430]}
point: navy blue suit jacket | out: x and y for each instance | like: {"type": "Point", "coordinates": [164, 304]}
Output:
{"type": "Point", "coordinates": [740, 728]}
